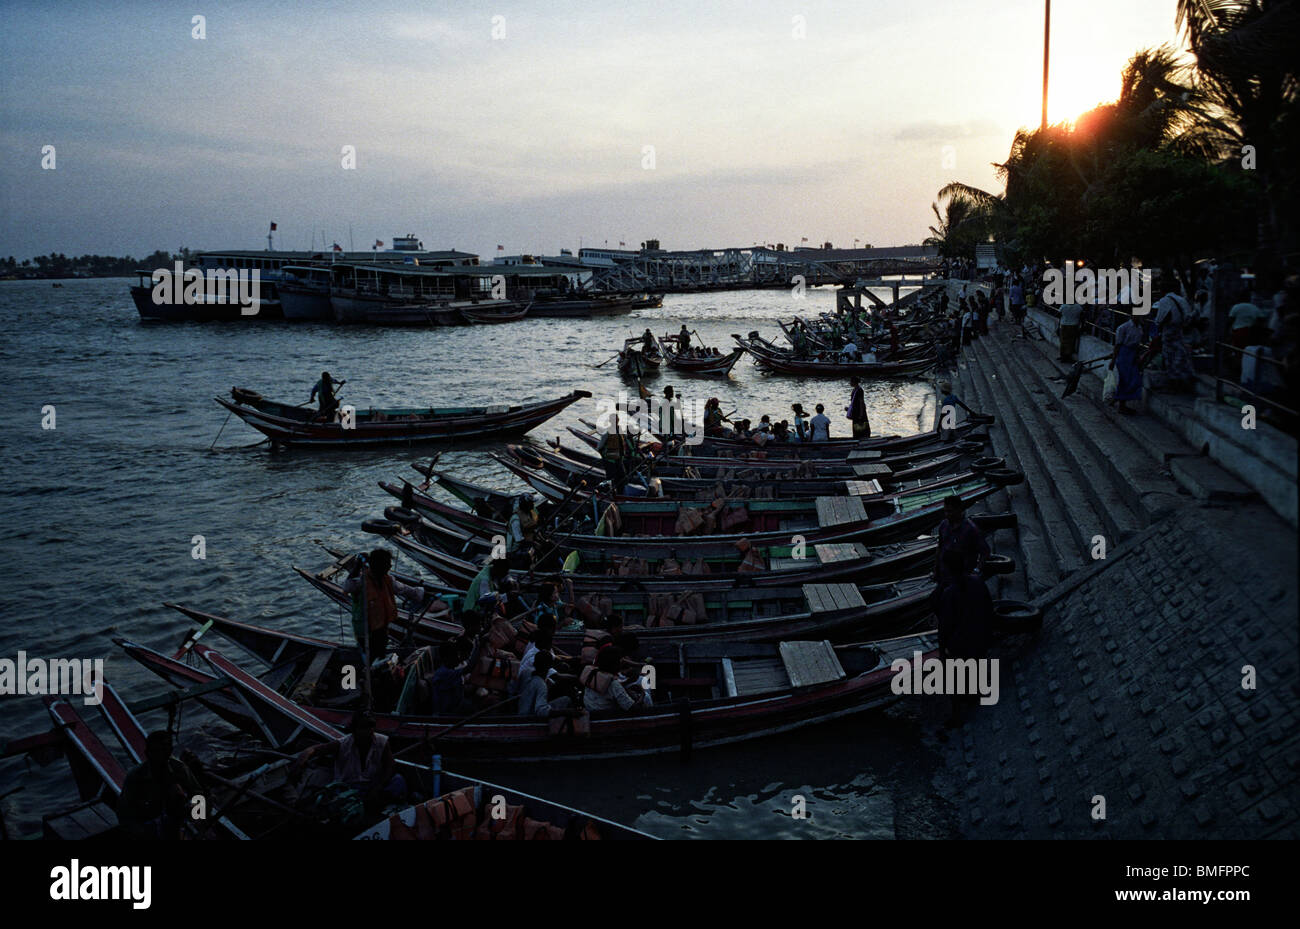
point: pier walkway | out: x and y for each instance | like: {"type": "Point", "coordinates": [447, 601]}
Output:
{"type": "Point", "coordinates": [1133, 691]}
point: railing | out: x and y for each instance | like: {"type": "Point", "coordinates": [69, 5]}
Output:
{"type": "Point", "coordinates": [1288, 418]}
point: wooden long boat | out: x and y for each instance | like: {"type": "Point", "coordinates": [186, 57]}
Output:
{"type": "Point", "coordinates": [407, 314]}
{"type": "Point", "coordinates": [836, 611]}
{"type": "Point", "coordinates": [101, 776]}
{"type": "Point", "coordinates": [291, 425]}
{"type": "Point", "coordinates": [751, 613]}
{"type": "Point", "coordinates": [647, 525]}
{"type": "Point", "coordinates": [509, 312]}
{"type": "Point", "coordinates": [719, 365]}
{"type": "Point", "coordinates": [789, 564]}
{"type": "Point", "coordinates": [831, 448]}
{"type": "Point", "coordinates": [543, 471]}
{"type": "Point", "coordinates": [634, 363]}
{"type": "Point", "coordinates": [786, 363]}
{"type": "Point", "coordinates": [526, 814]}
{"type": "Point", "coordinates": [559, 487]}
{"type": "Point", "coordinates": [706, 694]}
{"type": "Point", "coordinates": [562, 307]}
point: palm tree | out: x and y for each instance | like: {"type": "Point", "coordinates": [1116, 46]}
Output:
{"type": "Point", "coordinates": [1246, 66]}
{"type": "Point", "coordinates": [961, 224]}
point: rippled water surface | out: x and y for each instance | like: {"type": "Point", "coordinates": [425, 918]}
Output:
{"type": "Point", "coordinates": [99, 513]}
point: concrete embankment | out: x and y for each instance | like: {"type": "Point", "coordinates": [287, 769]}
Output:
{"type": "Point", "coordinates": [1162, 689]}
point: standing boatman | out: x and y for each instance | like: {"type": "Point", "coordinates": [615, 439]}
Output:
{"type": "Point", "coordinates": [376, 592]}
{"type": "Point", "coordinates": [328, 402]}
{"type": "Point", "coordinates": [857, 410]}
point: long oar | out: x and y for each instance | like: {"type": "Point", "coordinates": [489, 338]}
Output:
{"type": "Point", "coordinates": [428, 740]}
{"type": "Point", "coordinates": [608, 360]}
{"type": "Point", "coordinates": [336, 395]}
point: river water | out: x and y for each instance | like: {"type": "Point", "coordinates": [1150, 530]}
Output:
{"type": "Point", "coordinates": [99, 514]}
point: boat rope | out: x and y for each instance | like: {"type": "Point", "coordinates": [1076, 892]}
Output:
{"type": "Point", "coordinates": [221, 430]}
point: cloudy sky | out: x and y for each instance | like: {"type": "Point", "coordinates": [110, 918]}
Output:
{"type": "Point", "coordinates": [526, 124]}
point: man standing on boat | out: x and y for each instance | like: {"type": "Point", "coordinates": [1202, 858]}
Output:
{"type": "Point", "coordinates": [328, 402]}
{"type": "Point", "coordinates": [958, 533]}
{"type": "Point", "coordinates": [612, 448]}
{"type": "Point", "coordinates": [857, 410]}
{"type": "Point", "coordinates": [821, 425]}
{"type": "Point", "coordinates": [964, 612]}
{"type": "Point", "coordinates": [375, 594]}
{"type": "Point", "coordinates": [683, 340]}
{"type": "Point", "coordinates": [155, 800]}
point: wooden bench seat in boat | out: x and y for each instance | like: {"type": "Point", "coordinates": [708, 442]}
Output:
{"type": "Point", "coordinates": [809, 663]}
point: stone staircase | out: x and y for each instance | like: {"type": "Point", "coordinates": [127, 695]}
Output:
{"type": "Point", "coordinates": [1092, 477]}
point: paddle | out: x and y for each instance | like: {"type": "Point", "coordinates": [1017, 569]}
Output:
{"type": "Point", "coordinates": [338, 390]}
{"type": "Point", "coordinates": [1076, 373]}
{"type": "Point", "coordinates": [429, 474]}
{"type": "Point", "coordinates": [608, 360]}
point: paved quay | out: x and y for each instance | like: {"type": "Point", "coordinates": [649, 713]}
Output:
{"type": "Point", "coordinates": [1164, 681]}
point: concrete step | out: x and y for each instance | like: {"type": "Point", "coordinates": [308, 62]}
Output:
{"type": "Point", "coordinates": [1053, 553]}
{"type": "Point", "coordinates": [1140, 451]}
{"type": "Point", "coordinates": [1014, 586]}
{"type": "Point", "coordinates": [1207, 482]}
{"type": "Point", "coordinates": [1082, 520]}
{"type": "Point", "coordinates": [1106, 490]}
{"type": "Point", "coordinates": [1175, 425]}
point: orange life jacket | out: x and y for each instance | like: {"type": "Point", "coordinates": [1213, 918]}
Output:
{"type": "Point", "coordinates": [500, 829]}
{"type": "Point", "coordinates": [381, 602]}
{"type": "Point", "coordinates": [536, 829]}
{"type": "Point", "coordinates": [591, 643]}
{"type": "Point", "coordinates": [599, 681]}
{"type": "Point", "coordinates": [454, 812]}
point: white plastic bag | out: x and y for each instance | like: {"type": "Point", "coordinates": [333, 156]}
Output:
{"type": "Point", "coordinates": [1110, 385]}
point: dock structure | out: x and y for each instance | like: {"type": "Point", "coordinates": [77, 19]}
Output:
{"type": "Point", "coordinates": [758, 266]}
{"type": "Point", "coordinates": [1164, 576]}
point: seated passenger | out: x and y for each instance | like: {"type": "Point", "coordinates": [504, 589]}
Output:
{"type": "Point", "coordinates": [602, 690]}
{"type": "Point", "coordinates": [534, 693]}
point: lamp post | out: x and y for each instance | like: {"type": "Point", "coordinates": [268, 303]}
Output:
{"type": "Point", "coordinates": [1047, 36]}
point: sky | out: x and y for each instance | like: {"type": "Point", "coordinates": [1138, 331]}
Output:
{"type": "Point", "coordinates": [534, 126]}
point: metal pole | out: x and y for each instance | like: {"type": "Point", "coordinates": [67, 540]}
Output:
{"type": "Point", "coordinates": [1047, 35]}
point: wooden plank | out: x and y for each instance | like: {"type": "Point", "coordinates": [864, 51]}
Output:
{"type": "Point", "coordinates": [872, 470]}
{"type": "Point", "coordinates": [810, 663]}
{"type": "Point", "coordinates": [835, 511]}
{"type": "Point", "coordinates": [760, 676]}
{"type": "Point", "coordinates": [863, 488]}
{"type": "Point", "coordinates": [864, 455]}
{"type": "Point", "coordinates": [831, 552]}
{"type": "Point", "coordinates": [829, 598]}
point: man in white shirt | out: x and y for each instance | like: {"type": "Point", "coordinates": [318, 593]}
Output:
{"type": "Point", "coordinates": [821, 425]}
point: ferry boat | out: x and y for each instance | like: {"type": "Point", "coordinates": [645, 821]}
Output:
{"type": "Point", "coordinates": [302, 275]}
